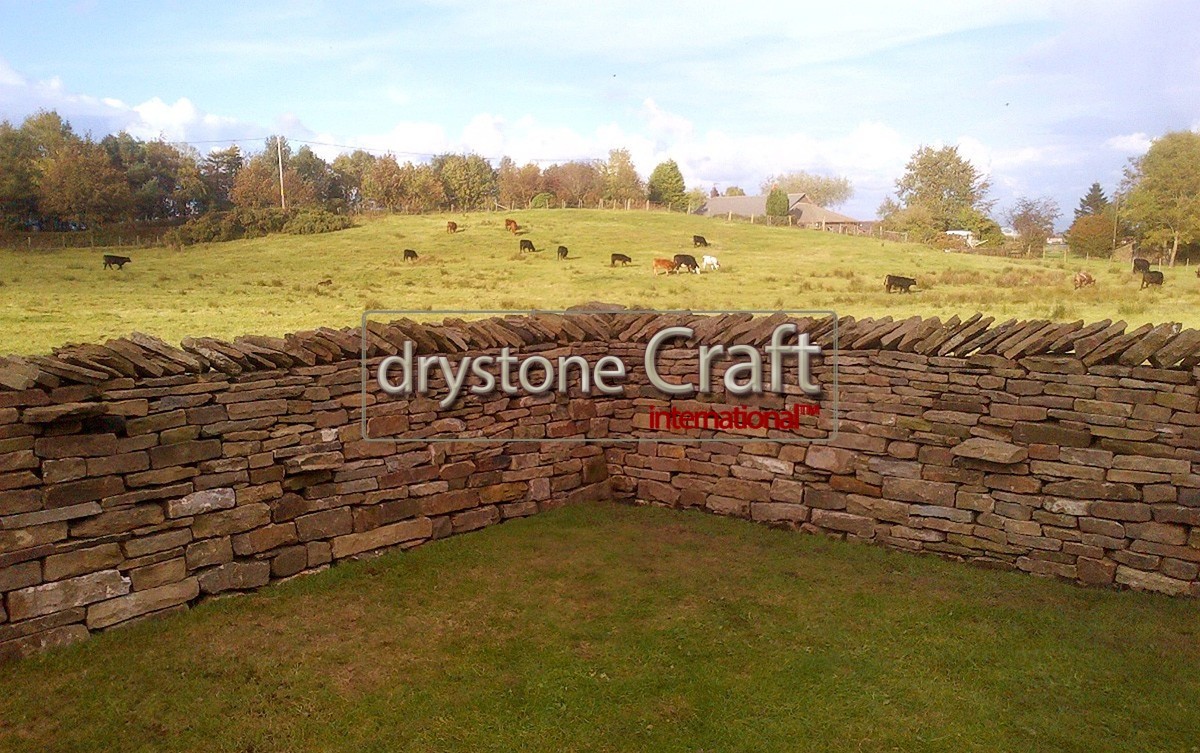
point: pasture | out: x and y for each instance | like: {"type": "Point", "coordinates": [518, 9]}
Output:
{"type": "Point", "coordinates": [602, 627]}
{"type": "Point", "coordinates": [287, 283]}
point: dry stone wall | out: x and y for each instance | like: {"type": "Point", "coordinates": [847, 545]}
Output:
{"type": "Point", "coordinates": [137, 477]}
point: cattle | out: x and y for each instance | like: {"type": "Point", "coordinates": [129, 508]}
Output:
{"type": "Point", "coordinates": [562, 252]}
{"type": "Point", "coordinates": [410, 255]}
{"type": "Point", "coordinates": [698, 240]}
{"type": "Point", "coordinates": [710, 264]}
{"type": "Point", "coordinates": [1151, 278]}
{"type": "Point", "coordinates": [686, 260]}
{"type": "Point", "coordinates": [115, 261]}
{"type": "Point", "coordinates": [666, 266]}
{"type": "Point", "coordinates": [620, 258]}
{"type": "Point", "coordinates": [451, 227]}
{"type": "Point", "coordinates": [896, 282]}
{"type": "Point", "coordinates": [511, 225]}
{"type": "Point", "coordinates": [1141, 265]}
{"type": "Point", "coordinates": [1083, 280]}
{"type": "Point", "coordinates": [526, 245]}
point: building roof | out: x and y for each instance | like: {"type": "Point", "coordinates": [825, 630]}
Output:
{"type": "Point", "coordinates": [798, 206]}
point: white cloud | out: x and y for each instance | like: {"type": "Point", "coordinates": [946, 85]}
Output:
{"type": "Point", "coordinates": [1131, 143]}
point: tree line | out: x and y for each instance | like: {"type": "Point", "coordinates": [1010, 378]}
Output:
{"type": "Point", "coordinates": [52, 178]}
{"type": "Point", "coordinates": [1156, 205]}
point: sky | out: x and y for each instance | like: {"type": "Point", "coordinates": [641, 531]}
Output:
{"type": "Point", "coordinates": [1043, 97]}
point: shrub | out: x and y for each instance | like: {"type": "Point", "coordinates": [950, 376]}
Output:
{"type": "Point", "coordinates": [247, 222]}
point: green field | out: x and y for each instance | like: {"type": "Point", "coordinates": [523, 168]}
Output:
{"type": "Point", "coordinates": [272, 285]}
{"type": "Point", "coordinates": [602, 627]}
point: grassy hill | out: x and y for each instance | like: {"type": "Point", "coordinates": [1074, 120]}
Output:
{"type": "Point", "coordinates": [274, 285]}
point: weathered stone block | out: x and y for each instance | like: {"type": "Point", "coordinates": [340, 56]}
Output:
{"type": "Point", "coordinates": [80, 561]}
{"type": "Point", "coordinates": [990, 450]}
{"type": "Point", "coordinates": [36, 601]}
{"type": "Point", "coordinates": [390, 535]}
{"type": "Point", "coordinates": [235, 576]}
{"type": "Point", "coordinates": [114, 611]}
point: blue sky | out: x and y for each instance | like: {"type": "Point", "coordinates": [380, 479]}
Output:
{"type": "Point", "coordinates": [1044, 97]}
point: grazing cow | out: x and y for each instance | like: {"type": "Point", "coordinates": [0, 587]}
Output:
{"type": "Point", "coordinates": [116, 261]}
{"type": "Point", "coordinates": [1083, 280]}
{"type": "Point", "coordinates": [526, 245]}
{"type": "Point", "coordinates": [410, 255]}
{"type": "Point", "coordinates": [686, 260]}
{"type": "Point", "coordinates": [666, 266]}
{"type": "Point", "coordinates": [562, 252]}
{"type": "Point", "coordinates": [710, 264]}
{"type": "Point", "coordinates": [1141, 265]}
{"type": "Point", "coordinates": [451, 227]}
{"type": "Point", "coordinates": [327, 281]}
{"type": "Point", "coordinates": [1151, 278]}
{"type": "Point", "coordinates": [622, 258]}
{"type": "Point", "coordinates": [896, 282]}
{"type": "Point", "coordinates": [698, 240]}
{"type": "Point", "coordinates": [510, 225]}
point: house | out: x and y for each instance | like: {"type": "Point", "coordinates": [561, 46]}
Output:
{"type": "Point", "coordinates": [803, 212]}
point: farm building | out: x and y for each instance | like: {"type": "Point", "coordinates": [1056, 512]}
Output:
{"type": "Point", "coordinates": [803, 212]}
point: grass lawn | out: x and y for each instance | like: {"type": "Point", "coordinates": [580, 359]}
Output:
{"type": "Point", "coordinates": [611, 628]}
{"type": "Point", "coordinates": [272, 285]}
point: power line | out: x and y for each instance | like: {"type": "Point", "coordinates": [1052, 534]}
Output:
{"type": "Point", "coordinates": [370, 150]}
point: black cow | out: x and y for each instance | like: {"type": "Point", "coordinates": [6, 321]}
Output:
{"type": "Point", "coordinates": [410, 255]}
{"type": "Point", "coordinates": [527, 245]}
{"type": "Point", "coordinates": [562, 252]}
{"type": "Point", "coordinates": [698, 240]}
{"type": "Point", "coordinates": [686, 260]}
{"type": "Point", "coordinates": [1151, 278]}
{"type": "Point", "coordinates": [622, 258]}
{"type": "Point", "coordinates": [1141, 265]}
{"type": "Point", "coordinates": [896, 282]}
{"type": "Point", "coordinates": [119, 262]}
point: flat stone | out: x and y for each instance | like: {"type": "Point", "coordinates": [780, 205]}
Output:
{"type": "Point", "coordinates": [201, 502]}
{"type": "Point", "coordinates": [107, 613]}
{"type": "Point", "coordinates": [36, 601]}
{"type": "Point", "coordinates": [991, 450]}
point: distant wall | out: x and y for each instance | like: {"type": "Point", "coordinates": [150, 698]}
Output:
{"type": "Point", "coordinates": [136, 477]}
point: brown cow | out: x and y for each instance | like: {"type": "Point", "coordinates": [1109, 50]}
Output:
{"type": "Point", "coordinates": [451, 227]}
{"type": "Point", "coordinates": [511, 226]}
{"type": "Point", "coordinates": [1083, 280]}
{"type": "Point", "coordinates": [666, 265]}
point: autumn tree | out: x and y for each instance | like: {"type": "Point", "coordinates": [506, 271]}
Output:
{"type": "Point", "coordinates": [666, 185]}
{"type": "Point", "coordinates": [1094, 202]}
{"type": "Point", "coordinates": [734, 191]}
{"type": "Point", "coordinates": [317, 175]}
{"type": "Point", "coordinates": [1164, 200]}
{"type": "Point", "coordinates": [1091, 235]}
{"type": "Point", "coordinates": [621, 180]}
{"type": "Point", "coordinates": [576, 182]}
{"type": "Point", "coordinates": [821, 190]}
{"type": "Point", "coordinates": [79, 184]}
{"type": "Point", "coordinates": [468, 181]}
{"type": "Point", "coordinates": [1033, 219]}
{"type": "Point", "coordinates": [257, 183]}
{"type": "Point", "coordinates": [349, 171]}
{"type": "Point", "coordinates": [516, 186]}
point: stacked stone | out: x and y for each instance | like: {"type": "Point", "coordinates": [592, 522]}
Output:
{"type": "Point", "coordinates": [1057, 449]}
{"type": "Point", "coordinates": [136, 478]}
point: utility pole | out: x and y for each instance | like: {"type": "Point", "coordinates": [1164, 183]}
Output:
{"type": "Point", "coordinates": [279, 152]}
{"type": "Point", "coordinates": [1116, 212]}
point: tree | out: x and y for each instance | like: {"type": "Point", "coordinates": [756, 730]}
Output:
{"type": "Point", "coordinates": [1091, 235]}
{"type": "Point", "coordinates": [777, 202]}
{"type": "Point", "coordinates": [18, 177]}
{"type": "Point", "coordinates": [80, 184]}
{"type": "Point", "coordinates": [621, 179]}
{"type": "Point", "coordinates": [734, 191]}
{"type": "Point", "coordinates": [257, 184]}
{"type": "Point", "coordinates": [666, 185]}
{"type": "Point", "coordinates": [1164, 203]}
{"type": "Point", "coordinates": [518, 185]}
{"type": "Point", "coordinates": [576, 182]}
{"type": "Point", "coordinates": [468, 181]}
{"type": "Point", "coordinates": [944, 184]}
{"type": "Point", "coordinates": [317, 175]}
{"type": "Point", "coordinates": [349, 171]}
{"type": "Point", "coordinates": [1095, 202]}
{"type": "Point", "coordinates": [821, 190]}
{"type": "Point", "coordinates": [219, 172]}
{"type": "Point", "coordinates": [1034, 220]}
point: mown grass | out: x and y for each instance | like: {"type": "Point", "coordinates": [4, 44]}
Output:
{"type": "Point", "coordinates": [611, 628]}
{"type": "Point", "coordinates": [272, 285]}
